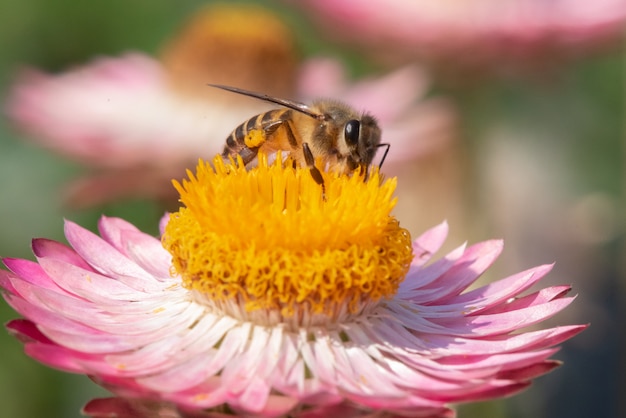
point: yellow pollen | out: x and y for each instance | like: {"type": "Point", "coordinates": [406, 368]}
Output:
{"type": "Point", "coordinates": [267, 237]}
{"type": "Point", "coordinates": [254, 138]}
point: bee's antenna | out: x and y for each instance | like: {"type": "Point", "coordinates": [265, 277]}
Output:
{"type": "Point", "coordinates": [298, 107]}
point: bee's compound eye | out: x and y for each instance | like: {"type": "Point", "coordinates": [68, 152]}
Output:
{"type": "Point", "coordinates": [352, 131]}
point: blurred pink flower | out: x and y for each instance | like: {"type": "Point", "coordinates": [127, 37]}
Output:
{"type": "Point", "coordinates": [503, 33]}
{"type": "Point", "coordinates": [136, 121]}
{"type": "Point", "coordinates": [119, 113]}
{"type": "Point", "coordinates": [122, 118]}
{"type": "Point", "coordinates": [109, 307]}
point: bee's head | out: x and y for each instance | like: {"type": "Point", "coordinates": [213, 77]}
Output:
{"type": "Point", "coordinates": [362, 136]}
{"type": "Point", "coordinates": [353, 137]}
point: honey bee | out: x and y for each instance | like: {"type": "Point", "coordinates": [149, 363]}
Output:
{"type": "Point", "coordinates": [331, 130]}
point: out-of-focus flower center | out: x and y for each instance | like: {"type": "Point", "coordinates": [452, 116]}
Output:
{"type": "Point", "coordinates": [242, 45]}
{"type": "Point", "coordinates": [265, 242]}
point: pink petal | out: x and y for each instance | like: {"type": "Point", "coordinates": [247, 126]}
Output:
{"type": "Point", "coordinates": [534, 299]}
{"type": "Point", "coordinates": [149, 254]}
{"type": "Point", "coordinates": [533, 340]}
{"type": "Point", "coordinates": [89, 285]}
{"type": "Point", "coordinates": [53, 249]}
{"type": "Point", "coordinates": [46, 318]}
{"type": "Point", "coordinates": [5, 282]}
{"type": "Point", "coordinates": [109, 261]}
{"type": "Point", "coordinates": [112, 231]}
{"type": "Point", "coordinates": [530, 371]}
{"type": "Point", "coordinates": [428, 244]}
{"type": "Point", "coordinates": [59, 357]}
{"type": "Point", "coordinates": [474, 262]}
{"type": "Point", "coordinates": [112, 408]}
{"type": "Point", "coordinates": [501, 290]}
{"type": "Point", "coordinates": [418, 277]}
{"type": "Point", "coordinates": [26, 331]}
{"type": "Point", "coordinates": [504, 322]}
{"type": "Point", "coordinates": [29, 272]}
{"type": "Point", "coordinates": [163, 222]}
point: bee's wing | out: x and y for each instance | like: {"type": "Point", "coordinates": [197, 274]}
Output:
{"type": "Point", "coordinates": [299, 107]}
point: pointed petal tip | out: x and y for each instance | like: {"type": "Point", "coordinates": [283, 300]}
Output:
{"type": "Point", "coordinates": [442, 227]}
{"type": "Point", "coordinates": [39, 245]}
{"type": "Point", "coordinates": [7, 261]}
{"type": "Point", "coordinates": [580, 328]}
{"type": "Point", "coordinates": [433, 238]}
{"type": "Point", "coordinates": [163, 222]}
{"type": "Point", "coordinates": [15, 325]}
{"type": "Point", "coordinates": [544, 268]}
{"type": "Point", "coordinates": [496, 242]}
{"type": "Point", "coordinates": [35, 245]}
{"type": "Point", "coordinates": [69, 225]}
{"type": "Point", "coordinates": [108, 407]}
{"type": "Point", "coordinates": [105, 220]}
{"type": "Point", "coordinates": [529, 372]}
{"type": "Point", "coordinates": [26, 331]}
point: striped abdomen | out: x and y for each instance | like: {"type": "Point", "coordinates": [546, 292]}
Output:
{"type": "Point", "coordinates": [251, 135]}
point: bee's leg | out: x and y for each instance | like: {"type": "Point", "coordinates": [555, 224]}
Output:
{"type": "Point", "coordinates": [382, 160]}
{"type": "Point", "coordinates": [315, 172]}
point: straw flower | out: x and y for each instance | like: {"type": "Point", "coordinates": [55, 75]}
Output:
{"type": "Point", "coordinates": [265, 298]}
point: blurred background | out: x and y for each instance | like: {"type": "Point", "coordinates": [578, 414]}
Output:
{"type": "Point", "coordinates": [505, 118]}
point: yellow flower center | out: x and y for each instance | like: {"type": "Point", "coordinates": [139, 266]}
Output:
{"type": "Point", "coordinates": [265, 242]}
